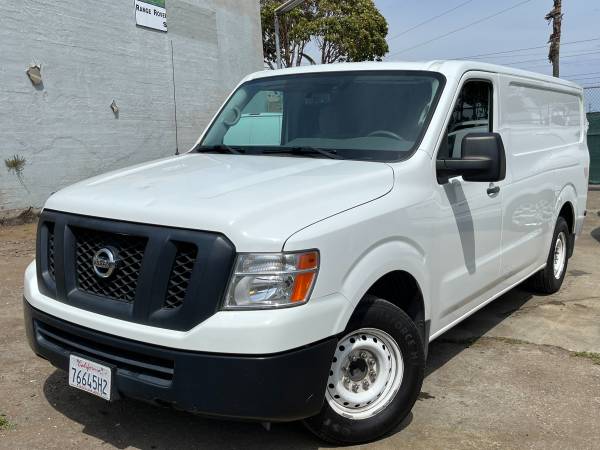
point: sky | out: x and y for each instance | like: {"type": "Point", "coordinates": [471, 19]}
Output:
{"type": "Point", "coordinates": [521, 27]}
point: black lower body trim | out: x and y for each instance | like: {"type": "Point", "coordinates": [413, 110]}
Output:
{"type": "Point", "coordinates": [279, 387]}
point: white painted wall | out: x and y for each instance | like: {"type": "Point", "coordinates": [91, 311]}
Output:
{"type": "Point", "coordinates": [91, 53]}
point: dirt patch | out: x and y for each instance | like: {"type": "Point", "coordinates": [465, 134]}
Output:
{"type": "Point", "coordinates": [578, 273]}
{"type": "Point", "coordinates": [594, 357]}
{"type": "Point", "coordinates": [425, 396]}
{"type": "Point", "coordinates": [29, 215]}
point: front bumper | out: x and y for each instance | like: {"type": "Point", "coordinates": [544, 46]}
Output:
{"type": "Point", "coordinates": [260, 332]}
{"type": "Point", "coordinates": [284, 386]}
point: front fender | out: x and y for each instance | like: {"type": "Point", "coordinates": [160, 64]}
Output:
{"type": "Point", "coordinates": [360, 246]}
{"type": "Point", "coordinates": [379, 260]}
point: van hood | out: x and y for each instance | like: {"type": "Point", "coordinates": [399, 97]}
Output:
{"type": "Point", "coordinates": [256, 201]}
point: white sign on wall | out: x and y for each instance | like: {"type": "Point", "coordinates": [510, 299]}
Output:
{"type": "Point", "coordinates": [151, 14]}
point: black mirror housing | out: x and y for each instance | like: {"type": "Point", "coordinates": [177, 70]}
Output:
{"type": "Point", "coordinates": [485, 146]}
{"type": "Point", "coordinates": [483, 159]}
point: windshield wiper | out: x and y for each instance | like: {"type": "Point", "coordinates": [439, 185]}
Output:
{"type": "Point", "coordinates": [304, 151]}
{"type": "Point", "coordinates": [221, 148]}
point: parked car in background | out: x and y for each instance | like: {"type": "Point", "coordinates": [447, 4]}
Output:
{"type": "Point", "coordinates": [330, 222]}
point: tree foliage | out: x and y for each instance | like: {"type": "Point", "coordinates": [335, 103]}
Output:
{"type": "Point", "coordinates": [325, 31]}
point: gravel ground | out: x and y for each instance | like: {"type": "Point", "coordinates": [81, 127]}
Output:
{"type": "Point", "coordinates": [524, 372]}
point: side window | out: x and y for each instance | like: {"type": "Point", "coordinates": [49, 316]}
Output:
{"type": "Point", "coordinates": [472, 114]}
{"type": "Point", "coordinates": [259, 122]}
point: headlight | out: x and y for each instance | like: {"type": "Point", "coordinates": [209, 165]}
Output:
{"type": "Point", "coordinates": [272, 280]}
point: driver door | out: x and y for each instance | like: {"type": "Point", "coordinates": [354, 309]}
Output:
{"type": "Point", "coordinates": [470, 212]}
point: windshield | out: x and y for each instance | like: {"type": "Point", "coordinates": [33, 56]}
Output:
{"type": "Point", "coordinates": [380, 115]}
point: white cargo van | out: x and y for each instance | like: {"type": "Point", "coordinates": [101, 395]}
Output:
{"type": "Point", "coordinates": [296, 267]}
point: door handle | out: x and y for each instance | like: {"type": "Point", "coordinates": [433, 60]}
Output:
{"type": "Point", "coordinates": [493, 190]}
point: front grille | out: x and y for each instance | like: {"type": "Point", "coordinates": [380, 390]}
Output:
{"type": "Point", "coordinates": [181, 273]}
{"type": "Point", "coordinates": [158, 269]}
{"type": "Point", "coordinates": [158, 369]}
{"type": "Point", "coordinates": [51, 269]}
{"type": "Point", "coordinates": [121, 285]}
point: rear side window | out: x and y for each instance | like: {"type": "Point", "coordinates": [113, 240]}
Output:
{"type": "Point", "coordinates": [554, 117]}
{"type": "Point", "coordinates": [472, 113]}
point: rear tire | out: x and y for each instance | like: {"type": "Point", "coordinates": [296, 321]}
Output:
{"type": "Point", "coordinates": [550, 278]}
{"type": "Point", "coordinates": [375, 378]}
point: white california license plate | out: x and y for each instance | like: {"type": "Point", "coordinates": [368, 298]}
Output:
{"type": "Point", "coordinates": [90, 376]}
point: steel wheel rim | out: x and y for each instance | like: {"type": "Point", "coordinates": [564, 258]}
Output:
{"type": "Point", "coordinates": [374, 354]}
{"type": "Point", "coordinates": [560, 255]}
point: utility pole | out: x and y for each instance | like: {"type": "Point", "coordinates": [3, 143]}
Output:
{"type": "Point", "coordinates": [286, 6]}
{"type": "Point", "coordinates": [555, 16]}
{"type": "Point", "coordinates": [277, 44]}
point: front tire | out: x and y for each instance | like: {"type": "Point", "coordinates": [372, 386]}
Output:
{"type": "Point", "coordinates": [550, 278]}
{"type": "Point", "coordinates": [375, 376]}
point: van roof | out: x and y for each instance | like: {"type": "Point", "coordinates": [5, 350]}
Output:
{"type": "Point", "coordinates": [450, 68]}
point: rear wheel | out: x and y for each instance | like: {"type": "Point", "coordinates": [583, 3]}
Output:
{"type": "Point", "coordinates": [550, 278]}
{"type": "Point", "coordinates": [375, 376]}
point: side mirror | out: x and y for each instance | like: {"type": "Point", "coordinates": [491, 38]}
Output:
{"type": "Point", "coordinates": [483, 159]}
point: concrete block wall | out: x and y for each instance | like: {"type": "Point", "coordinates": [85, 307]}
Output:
{"type": "Point", "coordinates": [92, 53]}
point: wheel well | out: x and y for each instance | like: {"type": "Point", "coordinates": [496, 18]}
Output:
{"type": "Point", "coordinates": [401, 289]}
{"type": "Point", "coordinates": [569, 215]}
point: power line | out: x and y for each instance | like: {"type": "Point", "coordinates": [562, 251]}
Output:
{"type": "Point", "coordinates": [579, 61]}
{"type": "Point", "coordinates": [563, 56]}
{"type": "Point", "coordinates": [522, 55]}
{"type": "Point", "coordinates": [585, 84]}
{"type": "Point", "coordinates": [582, 74]}
{"type": "Point", "coordinates": [574, 76]}
{"type": "Point", "coordinates": [483, 55]}
{"type": "Point", "coordinates": [524, 49]}
{"type": "Point", "coordinates": [464, 27]}
{"type": "Point", "coordinates": [593, 77]}
{"type": "Point", "coordinates": [587, 61]}
{"type": "Point", "coordinates": [431, 19]}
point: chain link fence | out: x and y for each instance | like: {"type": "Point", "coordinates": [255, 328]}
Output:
{"type": "Point", "coordinates": [592, 107]}
{"type": "Point", "coordinates": [592, 99]}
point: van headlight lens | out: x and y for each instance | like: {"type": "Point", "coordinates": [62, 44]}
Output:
{"type": "Point", "coordinates": [272, 280]}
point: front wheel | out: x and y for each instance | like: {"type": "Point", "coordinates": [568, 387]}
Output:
{"type": "Point", "coordinates": [375, 376]}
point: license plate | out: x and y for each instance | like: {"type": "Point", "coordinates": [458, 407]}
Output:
{"type": "Point", "coordinates": [90, 376]}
